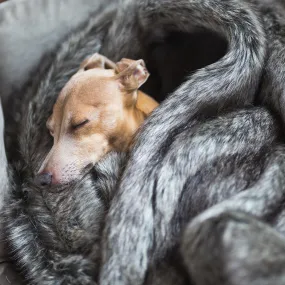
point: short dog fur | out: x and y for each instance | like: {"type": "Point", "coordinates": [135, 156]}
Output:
{"type": "Point", "coordinates": [98, 111]}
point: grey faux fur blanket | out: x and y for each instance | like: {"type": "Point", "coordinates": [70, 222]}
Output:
{"type": "Point", "coordinates": [200, 200]}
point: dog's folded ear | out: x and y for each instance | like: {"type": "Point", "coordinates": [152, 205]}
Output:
{"type": "Point", "coordinates": [131, 73]}
{"type": "Point", "coordinates": [97, 61]}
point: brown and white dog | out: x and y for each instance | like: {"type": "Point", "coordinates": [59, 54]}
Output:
{"type": "Point", "coordinates": [99, 110]}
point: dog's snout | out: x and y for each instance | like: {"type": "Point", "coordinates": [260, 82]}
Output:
{"type": "Point", "coordinates": [44, 179]}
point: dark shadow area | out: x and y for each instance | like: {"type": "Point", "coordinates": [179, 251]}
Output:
{"type": "Point", "coordinates": [177, 56]}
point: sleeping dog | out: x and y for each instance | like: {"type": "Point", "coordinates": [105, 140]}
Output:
{"type": "Point", "coordinates": [99, 110]}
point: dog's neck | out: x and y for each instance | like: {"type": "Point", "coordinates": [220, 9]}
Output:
{"type": "Point", "coordinates": [135, 118]}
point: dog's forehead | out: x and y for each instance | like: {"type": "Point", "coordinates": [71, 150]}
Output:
{"type": "Point", "coordinates": [96, 87]}
{"type": "Point", "coordinates": [95, 84]}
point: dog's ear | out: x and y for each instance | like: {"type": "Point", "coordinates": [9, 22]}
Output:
{"type": "Point", "coordinates": [97, 61]}
{"type": "Point", "coordinates": [50, 124]}
{"type": "Point", "coordinates": [131, 73]}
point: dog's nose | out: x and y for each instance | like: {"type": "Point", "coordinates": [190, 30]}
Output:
{"type": "Point", "coordinates": [44, 179]}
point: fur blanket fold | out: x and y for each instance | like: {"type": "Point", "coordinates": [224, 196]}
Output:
{"type": "Point", "coordinates": [200, 200]}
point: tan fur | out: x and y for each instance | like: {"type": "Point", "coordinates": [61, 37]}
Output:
{"type": "Point", "coordinates": [109, 99]}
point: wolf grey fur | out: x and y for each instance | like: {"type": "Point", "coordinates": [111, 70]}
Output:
{"type": "Point", "coordinates": [207, 167]}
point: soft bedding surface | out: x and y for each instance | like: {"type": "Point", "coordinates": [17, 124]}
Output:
{"type": "Point", "coordinates": [28, 30]}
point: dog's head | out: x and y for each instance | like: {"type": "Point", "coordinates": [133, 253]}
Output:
{"type": "Point", "coordinates": [93, 115]}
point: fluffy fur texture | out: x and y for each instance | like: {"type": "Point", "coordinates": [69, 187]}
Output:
{"type": "Point", "coordinates": [54, 234]}
{"type": "Point", "coordinates": [207, 172]}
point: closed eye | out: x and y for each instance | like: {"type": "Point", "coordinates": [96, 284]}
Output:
{"type": "Point", "coordinates": [79, 125]}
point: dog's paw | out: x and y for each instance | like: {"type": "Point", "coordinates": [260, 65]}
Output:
{"type": "Point", "coordinates": [75, 270]}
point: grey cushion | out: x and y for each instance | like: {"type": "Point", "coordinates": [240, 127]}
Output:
{"type": "Point", "coordinates": [28, 30]}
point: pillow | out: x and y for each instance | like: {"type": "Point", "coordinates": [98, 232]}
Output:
{"type": "Point", "coordinates": [29, 29]}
